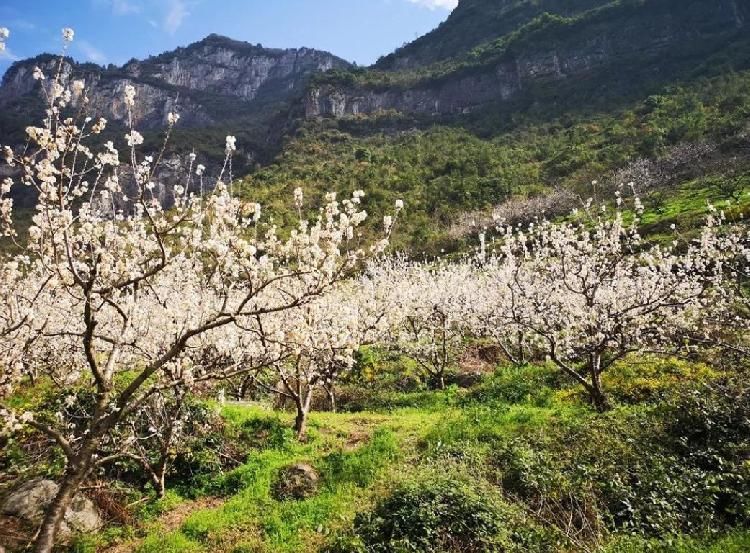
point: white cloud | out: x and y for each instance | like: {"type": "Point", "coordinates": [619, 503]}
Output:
{"type": "Point", "coordinates": [22, 25]}
{"type": "Point", "coordinates": [90, 52]}
{"type": "Point", "coordinates": [125, 7]}
{"type": "Point", "coordinates": [167, 15]}
{"type": "Point", "coordinates": [120, 7]}
{"type": "Point", "coordinates": [175, 16]}
{"type": "Point", "coordinates": [7, 54]}
{"type": "Point", "coordinates": [437, 4]}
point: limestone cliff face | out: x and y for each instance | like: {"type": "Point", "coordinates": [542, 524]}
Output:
{"type": "Point", "coordinates": [207, 82]}
{"type": "Point", "coordinates": [222, 66]}
{"type": "Point", "coordinates": [647, 35]}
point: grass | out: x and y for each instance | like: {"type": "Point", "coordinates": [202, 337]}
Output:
{"type": "Point", "coordinates": [251, 519]}
{"type": "Point", "coordinates": [735, 542]}
{"type": "Point", "coordinates": [414, 437]}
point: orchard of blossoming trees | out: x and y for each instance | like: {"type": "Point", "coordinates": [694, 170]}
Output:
{"type": "Point", "coordinates": [124, 311]}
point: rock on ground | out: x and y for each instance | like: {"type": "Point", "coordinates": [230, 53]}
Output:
{"type": "Point", "coordinates": [297, 481]}
{"type": "Point", "coordinates": [29, 501]}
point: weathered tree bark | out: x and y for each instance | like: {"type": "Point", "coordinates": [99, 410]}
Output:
{"type": "Point", "coordinates": [303, 410]}
{"type": "Point", "coordinates": [71, 482]}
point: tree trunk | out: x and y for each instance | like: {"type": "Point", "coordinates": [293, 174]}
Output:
{"type": "Point", "coordinates": [300, 423]}
{"type": "Point", "coordinates": [331, 397]}
{"type": "Point", "coordinates": [243, 387]}
{"type": "Point", "coordinates": [600, 400]}
{"type": "Point", "coordinates": [598, 397]}
{"type": "Point", "coordinates": [53, 518]}
{"type": "Point", "coordinates": [160, 484]}
{"type": "Point", "coordinates": [441, 380]}
{"type": "Point", "coordinates": [303, 409]}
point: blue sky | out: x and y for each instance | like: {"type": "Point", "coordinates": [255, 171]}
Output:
{"type": "Point", "coordinates": [113, 31]}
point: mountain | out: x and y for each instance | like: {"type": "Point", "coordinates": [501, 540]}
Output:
{"type": "Point", "coordinates": [512, 109]}
{"type": "Point", "coordinates": [510, 106]}
{"type": "Point", "coordinates": [473, 23]}
{"type": "Point", "coordinates": [500, 51]}
{"type": "Point", "coordinates": [217, 82]}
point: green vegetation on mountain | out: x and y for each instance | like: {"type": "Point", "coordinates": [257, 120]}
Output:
{"type": "Point", "coordinates": [695, 136]}
{"type": "Point", "coordinates": [581, 25]}
{"type": "Point", "coordinates": [475, 22]}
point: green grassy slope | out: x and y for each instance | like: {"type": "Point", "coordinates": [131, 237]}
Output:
{"type": "Point", "coordinates": [519, 448]}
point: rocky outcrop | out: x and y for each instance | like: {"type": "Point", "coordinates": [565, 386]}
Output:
{"type": "Point", "coordinates": [653, 34]}
{"type": "Point", "coordinates": [218, 65]}
{"type": "Point", "coordinates": [460, 95]}
{"type": "Point", "coordinates": [208, 82]}
{"type": "Point", "coordinates": [30, 500]}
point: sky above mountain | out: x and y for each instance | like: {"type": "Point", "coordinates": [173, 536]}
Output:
{"type": "Point", "coordinates": [113, 31]}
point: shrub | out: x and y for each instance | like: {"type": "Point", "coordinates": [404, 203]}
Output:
{"type": "Point", "coordinates": [530, 384]}
{"type": "Point", "coordinates": [679, 467]}
{"type": "Point", "coordinates": [649, 378]}
{"type": "Point", "coordinates": [443, 516]}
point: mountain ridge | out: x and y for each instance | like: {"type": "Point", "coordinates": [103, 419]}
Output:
{"type": "Point", "coordinates": [661, 37]}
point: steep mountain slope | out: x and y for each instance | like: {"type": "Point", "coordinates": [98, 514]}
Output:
{"type": "Point", "coordinates": [474, 22]}
{"type": "Point", "coordinates": [614, 49]}
{"type": "Point", "coordinates": [508, 101]}
{"type": "Point", "coordinates": [217, 82]}
{"type": "Point", "coordinates": [651, 91]}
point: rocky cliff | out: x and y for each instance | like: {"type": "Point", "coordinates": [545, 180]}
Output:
{"type": "Point", "coordinates": [620, 43]}
{"type": "Point", "coordinates": [208, 82]}
{"type": "Point", "coordinates": [218, 86]}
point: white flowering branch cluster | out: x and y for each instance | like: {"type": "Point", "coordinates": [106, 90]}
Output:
{"type": "Point", "coordinates": [4, 34]}
{"type": "Point", "coordinates": [129, 304]}
{"type": "Point", "coordinates": [581, 293]}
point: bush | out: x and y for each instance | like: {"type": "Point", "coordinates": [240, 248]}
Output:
{"type": "Point", "coordinates": [443, 516]}
{"type": "Point", "coordinates": [530, 384]}
{"type": "Point", "coordinates": [679, 467]}
{"type": "Point", "coordinates": [645, 379]}
{"type": "Point", "coordinates": [709, 429]}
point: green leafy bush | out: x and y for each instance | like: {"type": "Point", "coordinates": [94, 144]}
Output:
{"type": "Point", "coordinates": [442, 516]}
{"type": "Point", "coordinates": [678, 467]}
{"type": "Point", "coordinates": [532, 384]}
{"type": "Point", "coordinates": [650, 378]}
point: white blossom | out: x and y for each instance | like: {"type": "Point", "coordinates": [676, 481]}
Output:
{"type": "Point", "coordinates": [129, 96]}
{"type": "Point", "coordinates": [134, 138]}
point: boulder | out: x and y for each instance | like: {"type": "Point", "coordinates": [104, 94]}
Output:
{"type": "Point", "coordinates": [29, 501]}
{"type": "Point", "coordinates": [298, 481]}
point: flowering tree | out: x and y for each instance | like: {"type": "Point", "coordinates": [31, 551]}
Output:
{"type": "Point", "coordinates": [315, 345]}
{"type": "Point", "coordinates": [428, 317]}
{"type": "Point", "coordinates": [494, 310]}
{"type": "Point", "coordinates": [123, 295]}
{"type": "Point", "coordinates": [588, 293]}
{"type": "Point", "coordinates": [723, 322]}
